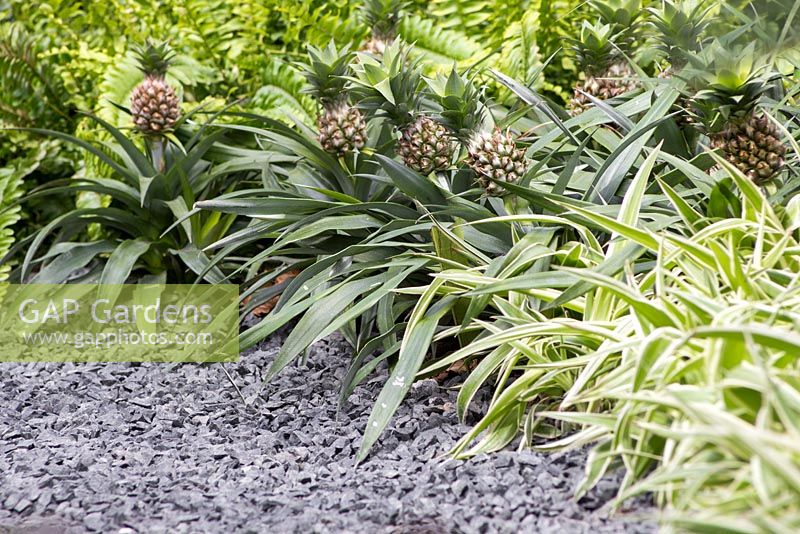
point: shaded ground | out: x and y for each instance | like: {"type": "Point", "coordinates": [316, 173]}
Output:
{"type": "Point", "coordinates": [153, 448]}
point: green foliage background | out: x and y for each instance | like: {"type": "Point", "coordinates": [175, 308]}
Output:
{"type": "Point", "coordinates": [59, 58]}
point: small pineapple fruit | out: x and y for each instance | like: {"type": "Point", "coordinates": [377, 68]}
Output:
{"type": "Point", "coordinates": [496, 159]}
{"type": "Point", "coordinates": [753, 145]}
{"type": "Point", "coordinates": [342, 127]}
{"type": "Point", "coordinates": [607, 73]}
{"type": "Point", "coordinates": [382, 17]}
{"type": "Point", "coordinates": [492, 155]}
{"type": "Point", "coordinates": [391, 88]}
{"type": "Point", "coordinates": [728, 109]}
{"type": "Point", "coordinates": [425, 146]}
{"type": "Point", "coordinates": [155, 107]}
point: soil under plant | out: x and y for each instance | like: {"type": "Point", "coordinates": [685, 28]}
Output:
{"type": "Point", "coordinates": [140, 448]}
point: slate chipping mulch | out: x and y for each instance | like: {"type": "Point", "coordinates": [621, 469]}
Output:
{"type": "Point", "coordinates": [154, 448]}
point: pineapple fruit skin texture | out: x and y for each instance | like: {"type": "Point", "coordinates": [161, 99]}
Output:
{"type": "Point", "coordinates": [753, 146]}
{"type": "Point", "coordinates": [342, 129]}
{"type": "Point", "coordinates": [617, 80]}
{"type": "Point", "coordinates": [155, 107]}
{"type": "Point", "coordinates": [495, 156]}
{"type": "Point", "coordinates": [426, 146]}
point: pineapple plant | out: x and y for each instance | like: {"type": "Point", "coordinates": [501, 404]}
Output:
{"type": "Point", "coordinates": [155, 106]}
{"type": "Point", "coordinates": [678, 31]}
{"type": "Point", "coordinates": [341, 126]}
{"type": "Point", "coordinates": [390, 88]}
{"type": "Point", "coordinates": [728, 108]}
{"type": "Point", "coordinates": [607, 73]}
{"type": "Point", "coordinates": [382, 18]}
{"type": "Point", "coordinates": [491, 153]}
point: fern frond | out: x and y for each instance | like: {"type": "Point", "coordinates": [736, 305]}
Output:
{"type": "Point", "coordinates": [331, 26]}
{"type": "Point", "coordinates": [485, 20]}
{"type": "Point", "coordinates": [519, 57]}
{"type": "Point", "coordinates": [282, 93]}
{"type": "Point", "coordinates": [437, 45]}
{"type": "Point", "coordinates": [469, 16]}
{"type": "Point", "coordinates": [216, 31]}
{"type": "Point", "coordinates": [11, 180]}
{"type": "Point", "coordinates": [29, 88]}
{"type": "Point", "coordinates": [116, 87]}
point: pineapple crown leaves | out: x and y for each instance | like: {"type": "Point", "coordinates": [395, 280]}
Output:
{"type": "Point", "coordinates": [729, 81]}
{"type": "Point", "coordinates": [154, 57]}
{"type": "Point", "coordinates": [382, 16]}
{"type": "Point", "coordinates": [461, 110]}
{"type": "Point", "coordinates": [390, 86]}
{"type": "Point", "coordinates": [619, 12]}
{"type": "Point", "coordinates": [595, 48]}
{"type": "Point", "coordinates": [679, 28]}
{"type": "Point", "coordinates": [625, 18]}
{"type": "Point", "coordinates": [326, 72]}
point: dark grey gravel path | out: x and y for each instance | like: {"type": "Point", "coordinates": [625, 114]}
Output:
{"type": "Point", "coordinates": [149, 448]}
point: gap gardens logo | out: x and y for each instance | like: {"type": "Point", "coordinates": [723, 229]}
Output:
{"type": "Point", "coordinates": [133, 323]}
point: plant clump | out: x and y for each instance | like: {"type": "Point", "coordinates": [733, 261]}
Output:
{"type": "Point", "coordinates": [732, 87]}
{"type": "Point", "coordinates": [390, 88]}
{"type": "Point", "coordinates": [607, 74]}
{"type": "Point", "coordinates": [493, 155]}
